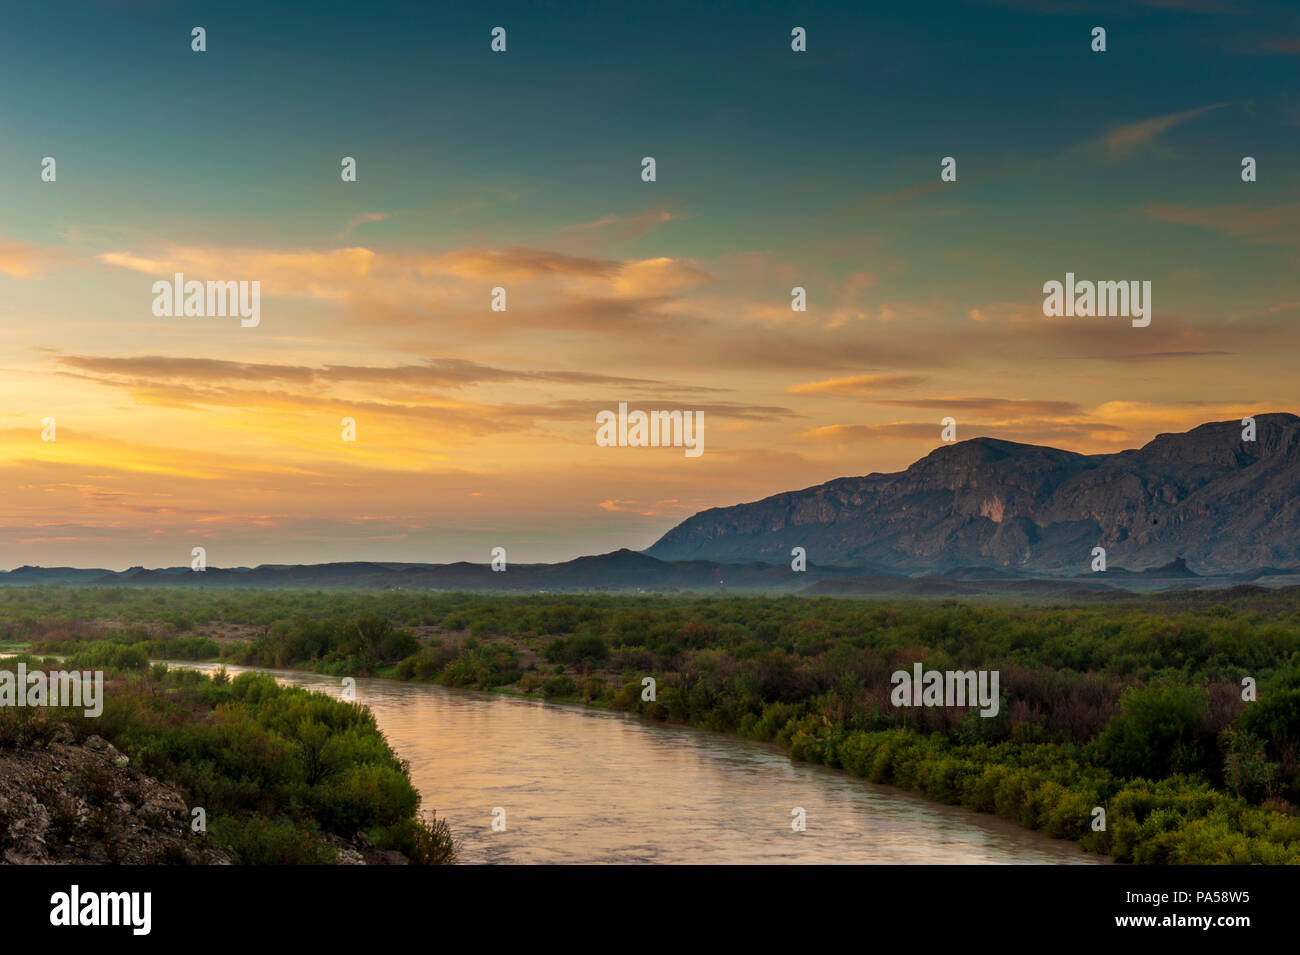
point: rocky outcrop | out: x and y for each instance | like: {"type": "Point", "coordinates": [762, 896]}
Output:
{"type": "Point", "coordinates": [67, 802]}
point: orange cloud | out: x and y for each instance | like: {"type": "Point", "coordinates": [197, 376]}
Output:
{"type": "Point", "coordinates": [661, 276]}
{"type": "Point", "coordinates": [23, 260]}
{"type": "Point", "coordinates": [302, 273]}
{"type": "Point", "coordinates": [856, 385]}
{"type": "Point", "coordinates": [518, 263]}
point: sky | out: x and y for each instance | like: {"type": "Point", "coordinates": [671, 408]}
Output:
{"type": "Point", "coordinates": [522, 170]}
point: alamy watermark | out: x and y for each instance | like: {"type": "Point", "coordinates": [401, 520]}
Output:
{"type": "Point", "coordinates": [74, 907]}
{"type": "Point", "coordinates": [1130, 299]}
{"type": "Point", "coordinates": [77, 688]}
{"type": "Point", "coordinates": [653, 429]}
{"type": "Point", "coordinates": [946, 688]}
{"type": "Point", "coordinates": [193, 299]}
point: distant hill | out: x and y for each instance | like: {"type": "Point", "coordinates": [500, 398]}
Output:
{"type": "Point", "coordinates": [626, 571]}
{"type": "Point", "coordinates": [622, 570]}
{"type": "Point", "coordinates": [1201, 503]}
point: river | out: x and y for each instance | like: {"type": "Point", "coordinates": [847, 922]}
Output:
{"type": "Point", "coordinates": [580, 785]}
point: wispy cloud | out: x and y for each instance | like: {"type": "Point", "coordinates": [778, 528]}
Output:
{"type": "Point", "coordinates": [431, 373]}
{"type": "Point", "coordinates": [1274, 225]}
{"type": "Point", "coordinates": [1015, 408]}
{"type": "Point", "coordinates": [886, 199]}
{"type": "Point", "coordinates": [856, 385]}
{"type": "Point", "coordinates": [365, 277]}
{"type": "Point", "coordinates": [654, 509]}
{"type": "Point", "coordinates": [23, 260]}
{"type": "Point", "coordinates": [1123, 140]}
{"type": "Point", "coordinates": [362, 219]}
{"type": "Point", "coordinates": [616, 228]}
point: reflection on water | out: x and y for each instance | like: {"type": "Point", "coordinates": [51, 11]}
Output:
{"type": "Point", "coordinates": [582, 785]}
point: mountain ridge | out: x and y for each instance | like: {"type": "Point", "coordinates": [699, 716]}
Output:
{"type": "Point", "coordinates": [1224, 505]}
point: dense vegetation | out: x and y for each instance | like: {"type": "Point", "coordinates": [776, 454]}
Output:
{"type": "Point", "coordinates": [284, 776]}
{"type": "Point", "coordinates": [1136, 707]}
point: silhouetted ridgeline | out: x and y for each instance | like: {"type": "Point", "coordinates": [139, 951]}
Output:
{"type": "Point", "coordinates": [621, 570]}
{"type": "Point", "coordinates": [629, 572]}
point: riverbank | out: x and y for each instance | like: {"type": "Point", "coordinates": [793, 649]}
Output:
{"type": "Point", "coordinates": [583, 785]}
{"type": "Point", "coordinates": [1125, 730]}
{"type": "Point", "coordinates": [175, 767]}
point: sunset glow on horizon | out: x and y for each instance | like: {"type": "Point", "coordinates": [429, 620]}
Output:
{"type": "Point", "coordinates": [476, 428]}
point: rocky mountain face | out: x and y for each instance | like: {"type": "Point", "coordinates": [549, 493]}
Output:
{"type": "Point", "coordinates": [1222, 504]}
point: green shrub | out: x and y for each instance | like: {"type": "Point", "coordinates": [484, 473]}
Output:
{"type": "Point", "coordinates": [253, 840]}
{"type": "Point", "coordinates": [559, 686]}
{"type": "Point", "coordinates": [1154, 733]}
